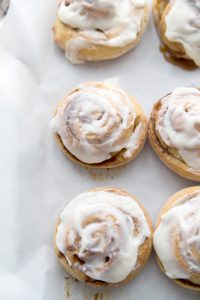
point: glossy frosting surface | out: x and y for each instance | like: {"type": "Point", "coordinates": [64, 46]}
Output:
{"type": "Point", "coordinates": [178, 124]}
{"type": "Point", "coordinates": [97, 120]}
{"type": "Point", "coordinates": [183, 26]}
{"type": "Point", "coordinates": [104, 230]}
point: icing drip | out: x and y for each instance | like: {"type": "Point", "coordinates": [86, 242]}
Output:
{"type": "Point", "coordinates": [183, 26]}
{"type": "Point", "coordinates": [178, 124]}
{"type": "Point", "coordinates": [112, 23]}
{"type": "Point", "coordinates": [100, 233]}
{"type": "Point", "coordinates": [95, 121]}
{"type": "Point", "coordinates": [177, 239]}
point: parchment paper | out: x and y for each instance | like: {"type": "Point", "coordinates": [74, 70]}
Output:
{"type": "Point", "coordinates": [37, 180]}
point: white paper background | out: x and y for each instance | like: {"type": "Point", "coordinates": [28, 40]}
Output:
{"type": "Point", "coordinates": [37, 180]}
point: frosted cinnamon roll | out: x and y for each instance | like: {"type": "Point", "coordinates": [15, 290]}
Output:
{"type": "Point", "coordinates": [174, 131]}
{"type": "Point", "coordinates": [103, 237]}
{"type": "Point", "coordinates": [98, 125]}
{"type": "Point", "coordinates": [177, 238]}
{"type": "Point", "coordinates": [178, 22]}
{"type": "Point", "coordinates": [96, 30]}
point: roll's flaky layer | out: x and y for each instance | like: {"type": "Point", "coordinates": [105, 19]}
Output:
{"type": "Point", "coordinates": [99, 30]}
{"type": "Point", "coordinates": [178, 24]}
{"type": "Point", "coordinates": [103, 237]}
{"type": "Point", "coordinates": [97, 125]}
{"type": "Point", "coordinates": [174, 131]}
{"type": "Point", "coordinates": [177, 238]}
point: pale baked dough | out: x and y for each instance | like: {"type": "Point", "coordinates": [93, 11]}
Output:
{"type": "Point", "coordinates": [118, 158]}
{"type": "Point", "coordinates": [167, 206]}
{"type": "Point", "coordinates": [63, 33]}
{"type": "Point", "coordinates": [160, 10]}
{"type": "Point", "coordinates": [144, 250]}
{"type": "Point", "coordinates": [168, 155]}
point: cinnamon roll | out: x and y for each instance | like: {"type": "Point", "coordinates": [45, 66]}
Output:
{"type": "Point", "coordinates": [97, 125]}
{"type": "Point", "coordinates": [174, 131]}
{"type": "Point", "coordinates": [103, 237]}
{"type": "Point", "coordinates": [178, 22]}
{"type": "Point", "coordinates": [177, 238]}
{"type": "Point", "coordinates": [93, 30]}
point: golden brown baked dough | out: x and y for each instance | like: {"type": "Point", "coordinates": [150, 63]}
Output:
{"type": "Point", "coordinates": [144, 250]}
{"type": "Point", "coordinates": [168, 154]}
{"type": "Point", "coordinates": [174, 49]}
{"type": "Point", "coordinates": [185, 194]}
{"type": "Point", "coordinates": [117, 158]}
{"type": "Point", "coordinates": [94, 52]}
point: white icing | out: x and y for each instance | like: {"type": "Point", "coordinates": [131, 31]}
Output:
{"type": "Point", "coordinates": [112, 23]}
{"type": "Point", "coordinates": [93, 123]}
{"type": "Point", "coordinates": [178, 124]}
{"type": "Point", "coordinates": [132, 143]}
{"type": "Point", "coordinates": [183, 26]}
{"type": "Point", "coordinates": [182, 219]}
{"type": "Point", "coordinates": [112, 235]}
{"type": "Point", "coordinates": [73, 47]}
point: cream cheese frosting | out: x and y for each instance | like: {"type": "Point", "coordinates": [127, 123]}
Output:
{"type": "Point", "coordinates": [183, 26]}
{"type": "Point", "coordinates": [180, 224]}
{"type": "Point", "coordinates": [113, 23]}
{"type": "Point", "coordinates": [178, 124]}
{"type": "Point", "coordinates": [97, 120]}
{"type": "Point", "coordinates": [104, 230]}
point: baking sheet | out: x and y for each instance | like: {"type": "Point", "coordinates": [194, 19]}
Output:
{"type": "Point", "coordinates": [37, 180]}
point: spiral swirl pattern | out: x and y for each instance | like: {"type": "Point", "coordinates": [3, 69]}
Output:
{"type": "Point", "coordinates": [177, 239]}
{"type": "Point", "coordinates": [188, 243]}
{"type": "Point", "coordinates": [96, 122]}
{"type": "Point", "coordinates": [100, 233]}
{"type": "Point", "coordinates": [178, 124]}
